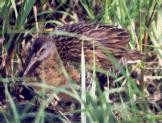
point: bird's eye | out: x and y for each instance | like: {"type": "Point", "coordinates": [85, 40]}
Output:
{"type": "Point", "coordinates": [42, 50]}
{"type": "Point", "coordinates": [39, 52]}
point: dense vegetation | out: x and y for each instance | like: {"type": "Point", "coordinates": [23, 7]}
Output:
{"type": "Point", "coordinates": [132, 96]}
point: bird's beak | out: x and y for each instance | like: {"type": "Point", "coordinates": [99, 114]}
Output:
{"type": "Point", "coordinates": [30, 64]}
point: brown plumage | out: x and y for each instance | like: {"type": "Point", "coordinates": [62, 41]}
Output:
{"type": "Point", "coordinates": [42, 61]}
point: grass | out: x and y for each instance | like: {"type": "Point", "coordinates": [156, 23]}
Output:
{"type": "Point", "coordinates": [143, 20]}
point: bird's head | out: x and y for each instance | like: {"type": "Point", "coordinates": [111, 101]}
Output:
{"type": "Point", "coordinates": [42, 48]}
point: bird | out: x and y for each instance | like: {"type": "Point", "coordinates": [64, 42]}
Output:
{"type": "Point", "coordinates": [93, 38]}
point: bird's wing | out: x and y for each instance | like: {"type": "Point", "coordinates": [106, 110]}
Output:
{"type": "Point", "coordinates": [109, 35]}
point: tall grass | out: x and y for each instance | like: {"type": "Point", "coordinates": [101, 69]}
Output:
{"type": "Point", "coordinates": [141, 17]}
